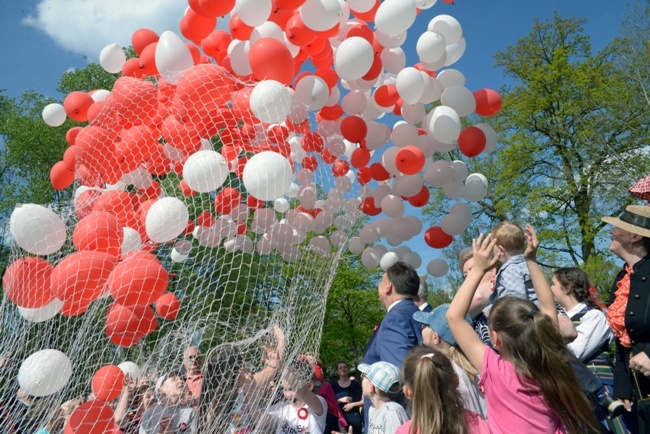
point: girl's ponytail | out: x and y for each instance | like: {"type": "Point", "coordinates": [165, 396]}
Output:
{"type": "Point", "coordinates": [435, 404]}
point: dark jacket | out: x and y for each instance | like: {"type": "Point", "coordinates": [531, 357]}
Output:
{"type": "Point", "coordinates": [637, 323]}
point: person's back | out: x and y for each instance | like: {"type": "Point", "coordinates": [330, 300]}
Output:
{"type": "Point", "coordinates": [513, 277]}
{"type": "Point", "coordinates": [386, 419]}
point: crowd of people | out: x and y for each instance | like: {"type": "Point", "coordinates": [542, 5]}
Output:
{"type": "Point", "coordinates": [511, 353]}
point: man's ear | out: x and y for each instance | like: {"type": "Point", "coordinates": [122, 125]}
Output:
{"type": "Point", "coordinates": [436, 338]}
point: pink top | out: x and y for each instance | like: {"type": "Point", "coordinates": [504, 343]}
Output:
{"type": "Point", "coordinates": [512, 406]}
{"type": "Point", "coordinates": [475, 423]}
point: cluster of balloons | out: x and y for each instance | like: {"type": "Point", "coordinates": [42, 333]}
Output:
{"type": "Point", "coordinates": [293, 90]}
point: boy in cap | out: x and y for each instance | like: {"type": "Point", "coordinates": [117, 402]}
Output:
{"type": "Point", "coordinates": [170, 415]}
{"type": "Point", "coordinates": [380, 381]}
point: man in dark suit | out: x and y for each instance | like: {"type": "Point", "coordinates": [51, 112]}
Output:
{"type": "Point", "coordinates": [398, 332]}
{"type": "Point", "coordinates": [420, 299]}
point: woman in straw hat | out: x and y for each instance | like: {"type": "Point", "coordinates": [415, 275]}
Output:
{"type": "Point", "coordinates": [629, 310]}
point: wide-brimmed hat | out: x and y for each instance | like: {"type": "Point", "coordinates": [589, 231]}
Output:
{"type": "Point", "coordinates": [635, 219]}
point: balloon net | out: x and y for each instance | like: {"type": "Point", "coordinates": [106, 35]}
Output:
{"type": "Point", "coordinates": [186, 282]}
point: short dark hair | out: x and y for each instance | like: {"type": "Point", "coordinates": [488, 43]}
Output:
{"type": "Point", "coordinates": [404, 278]}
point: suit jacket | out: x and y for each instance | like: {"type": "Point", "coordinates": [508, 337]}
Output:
{"type": "Point", "coordinates": [396, 335]}
{"type": "Point", "coordinates": [427, 308]}
{"type": "Point", "coordinates": [637, 323]}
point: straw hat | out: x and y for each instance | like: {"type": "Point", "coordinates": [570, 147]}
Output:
{"type": "Point", "coordinates": [635, 219]}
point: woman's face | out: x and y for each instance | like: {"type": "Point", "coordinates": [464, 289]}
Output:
{"type": "Point", "coordinates": [621, 240]}
{"type": "Point", "coordinates": [342, 369]}
{"type": "Point", "coordinates": [558, 290]}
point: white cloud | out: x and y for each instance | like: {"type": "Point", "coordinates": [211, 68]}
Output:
{"type": "Point", "coordinates": [87, 26]}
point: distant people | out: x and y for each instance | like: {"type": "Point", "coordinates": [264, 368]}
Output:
{"type": "Point", "coordinates": [398, 332]}
{"type": "Point", "coordinates": [381, 382]}
{"type": "Point", "coordinates": [629, 311]}
{"type": "Point", "coordinates": [349, 396]}
{"type": "Point", "coordinates": [431, 385]}
{"type": "Point", "coordinates": [193, 372]}
{"type": "Point", "coordinates": [530, 386]}
{"type": "Point", "coordinates": [437, 335]}
{"type": "Point", "coordinates": [170, 415]}
{"type": "Point", "coordinates": [421, 299]}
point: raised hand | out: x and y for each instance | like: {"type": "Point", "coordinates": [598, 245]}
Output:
{"type": "Point", "coordinates": [483, 252]}
{"type": "Point", "coordinates": [530, 254]}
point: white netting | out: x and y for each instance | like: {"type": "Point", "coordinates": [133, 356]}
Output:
{"type": "Point", "coordinates": [213, 203]}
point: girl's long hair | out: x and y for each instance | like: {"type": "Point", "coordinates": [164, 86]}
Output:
{"type": "Point", "coordinates": [436, 407]}
{"type": "Point", "coordinates": [458, 357]}
{"type": "Point", "coordinates": [532, 343]}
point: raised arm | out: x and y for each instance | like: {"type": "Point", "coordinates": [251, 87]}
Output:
{"type": "Point", "coordinates": [542, 288]}
{"type": "Point", "coordinates": [465, 335]}
{"type": "Point", "coordinates": [273, 358]}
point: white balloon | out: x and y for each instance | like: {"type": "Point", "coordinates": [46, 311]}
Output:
{"type": "Point", "coordinates": [353, 58]}
{"type": "Point", "coordinates": [414, 113]}
{"type": "Point", "coordinates": [112, 58]}
{"type": "Point", "coordinates": [460, 170]}
{"type": "Point", "coordinates": [54, 115]}
{"type": "Point", "coordinates": [320, 245]}
{"type": "Point", "coordinates": [413, 259]}
{"type": "Point", "coordinates": [391, 41]}
{"type": "Point", "coordinates": [132, 241]}
{"type": "Point", "coordinates": [43, 313]}
{"type": "Point", "coordinates": [264, 245]}
{"type": "Point", "coordinates": [425, 4]}
{"type": "Point", "coordinates": [395, 16]}
{"type": "Point", "coordinates": [320, 15]}
{"type": "Point", "coordinates": [37, 229]}
{"type": "Point", "coordinates": [172, 57]}
{"type": "Point", "coordinates": [238, 51]}
{"type": "Point", "coordinates": [451, 77]}
{"type": "Point", "coordinates": [455, 51]}
{"type": "Point", "coordinates": [100, 95]}
{"type": "Point", "coordinates": [380, 249]}
{"type": "Point", "coordinates": [460, 99]}
{"type": "Point", "coordinates": [378, 135]}
{"type": "Point", "coordinates": [462, 211]}
{"type": "Point", "coordinates": [312, 91]}
{"type": "Point", "coordinates": [181, 250]}
{"type": "Point", "coordinates": [403, 134]}
{"type": "Point", "coordinates": [437, 267]}
{"type": "Point", "coordinates": [354, 103]}
{"type": "Point", "coordinates": [475, 188]}
{"type": "Point", "coordinates": [453, 190]}
{"type": "Point", "coordinates": [355, 245]}
{"type": "Point", "coordinates": [205, 171]}
{"type": "Point", "coordinates": [166, 219]}
{"type": "Point", "coordinates": [369, 234]}
{"type": "Point", "coordinates": [447, 26]}
{"type": "Point", "coordinates": [444, 124]}
{"type": "Point", "coordinates": [267, 175]}
{"type": "Point", "coordinates": [281, 205]}
{"type": "Point", "coordinates": [131, 369]}
{"type": "Point", "coordinates": [388, 260]}
{"type": "Point", "coordinates": [44, 373]}
{"type": "Point", "coordinates": [431, 47]}
{"type": "Point", "coordinates": [271, 101]}
{"type": "Point", "coordinates": [453, 225]}
{"type": "Point", "coordinates": [393, 60]}
{"type": "Point", "coordinates": [253, 12]}
{"type": "Point", "coordinates": [392, 206]}
{"type": "Point", "coordinates": [410, 85]}
{"type": "Point", "coordinates": [408, 185]}
{"type": "Point", "coordinates": [361, 5]}
{"type": "Point", "coordinates": [267, 29]}
{"type": "Point", "coordinates": [370, 258]}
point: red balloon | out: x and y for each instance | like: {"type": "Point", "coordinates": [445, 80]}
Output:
{"type": "Point", "coordinates": [363, 175]}
{"type": "Point", "coordinates": [139, 143]}
{"type": "Point", "coordinates": [437, 238]}
{"type": "Point", "coordinates": [141, 38]}
{"type": "Point", "coordinates": [368, 15]}
{"type": "Point", "coordinates": [329, 75]}
{"type": "Point", "coordinates": [148, 60]}
{"type": "Point", "coordinates": [297, 32]}
{"type": "Point", "coordinates": [26, 282]}
{"type": "Point", "coordinates": [152, 192]}
{"type": "Point", "coordinates": [80, 277]}
{"type": "Point", "coordinates": [60, 175]}
{"type": "Point", "coordinates": [254, 203]}
{"type": "Point", "coordinates": [107, 383]}
{"type": "Point", "coordinates": [179, 135]}
{"type": "Point", "coordinates": [289, 4]}
{"type": "Point", "coordinates": [226, 200]}
{"type": "Point", "coordinates": [119, 203]}
{"type": "Point", "coordinates": [131, 68]}
{"type": "Point", "coordinates": [94, 110]}
{"type": "Point", "coordinates": [239, 29]}
{"type": "Point", "coordinates": [280, 16]}
{"type": "Point", "coordinates": [420, 199]}
{"type": "Point", "coordinates": [76, 105]}
{"type": "Point", "coordinates": [488, 102]}
{"type": "Point", "coordinates": [167, 306]}
{"type": "Point", "coordinates": [386, 95]}
{"type": "Point", "coordinates": [375, 69]}
{"type": "Point", "coordinates": [270, 59]}
{"type": "Point", "coordinates": [71, 135]}
{"type": "Point", "coordinates": [195, 26]}
{"type": "Point", "coordinates": [313, 142]}
{"type": "Point", "coordinates": [340, 168]}
{"type": "Point", "coordinates": [409, 160]}
{"type": "Point", "coordinates": [378, 172]}
{"type": "Point", "coordinates": [92, 417]}
{"type": "Point", "coordinates": [310, 163]}
{"type": "Point", "coordinates": [471, 141]}
{"type": "Point", "coordinates": [327, 156]}
{"type": "Point", "coordinates": [205, 219]}
{"type": "Point", "coordinates": [360, 157]}
{"type": "Point", "coordinates": [368, 206]}
{"type": "Point", "coordinates": [216, 44]}
{"type": "Point", "coordinates": [331, 113]}
{"type": "Point", "coordinates": [99, 231]}
{"type": "Point", "coordinates": [201, 91]}
{"type": "Point", "coordinates": [138, 281]}
{"type": "Point", "coordinates": [354, 129]}
{"type": "Point", "coordinates": [134, 100]}
{"type": "Point", "coordinates": [216, 8]}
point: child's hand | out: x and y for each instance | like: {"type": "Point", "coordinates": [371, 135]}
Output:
{"type": "Point", "coordinates": [533, 243]}
{"type": "Point", "coordinates": [482, 248]}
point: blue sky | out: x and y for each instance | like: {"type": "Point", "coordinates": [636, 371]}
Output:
{"type": "Point", "coordinates": [44, 38]}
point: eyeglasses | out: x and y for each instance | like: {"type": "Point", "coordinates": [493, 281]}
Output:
{"type": "Point", "coordinates": [194, 357]}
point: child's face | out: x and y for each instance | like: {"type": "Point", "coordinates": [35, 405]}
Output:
{"type": "Point", "coordinates": [365, 386]}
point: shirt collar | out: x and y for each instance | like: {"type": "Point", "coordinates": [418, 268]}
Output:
{"type": "Point", "coordinates": [393, 304]}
